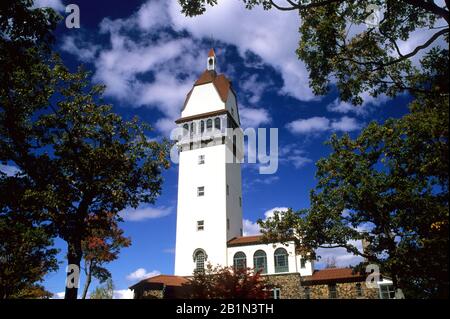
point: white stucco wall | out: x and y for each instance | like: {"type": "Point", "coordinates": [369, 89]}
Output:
{"type": "Point", "coordinates": [269, 249]}
{"type": "Point", "coordinates": [204, 98]}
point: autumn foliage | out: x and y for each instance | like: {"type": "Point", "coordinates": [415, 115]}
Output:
{"type": "Point", "coordinates": [228, 283]}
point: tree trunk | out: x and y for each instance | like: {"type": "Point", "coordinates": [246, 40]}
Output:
{"type": "Point", "coordinates": [88, 280]}
{"type": "Point", "coordinates": [74, 258]}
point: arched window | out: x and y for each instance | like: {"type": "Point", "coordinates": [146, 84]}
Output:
{"type": "Point", "coordinates": [217, 123]}
{"type": "Point", "coordinates": [260, 261]}
{"type": "Point", "coordinates": [209, 125]}
{"type": "Point", "coordinates": [192, 128]}
{"type": "Point", "coordinates": [199, 259]}
{"type": "Point", "coordinates": [202, 126]}
{"type": "Point", "coordinates": [281, 260]}
{"type": "Point", "coordinates": [185, 129]}
{"type": "Point", "coordinates": [239, 260]}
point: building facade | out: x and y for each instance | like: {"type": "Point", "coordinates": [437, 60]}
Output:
{"type": "Point", "coordinates": [209, 209]}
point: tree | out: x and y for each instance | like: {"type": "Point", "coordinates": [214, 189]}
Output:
{"type": "Point", "coordinates": [105, 291]}
{"type": "Point", "coordinates": [25, 40]}
{"type": "Point", "coordinates": [100, 165]}
{"type": "Point", "coordinates": [336, 47]}
{"type": "Point", "coordinates": [24, 257]}
{"type": "Point", "coordinates": [228, 283]}
{"type": "Point", "coordinates": [77, 157]}
{"type": "Point", "coordinates": [34, 291]}
{"type": "Point", "coordinates": [388, 186]}
{"type": "Point", "coordinates": [100, 248]}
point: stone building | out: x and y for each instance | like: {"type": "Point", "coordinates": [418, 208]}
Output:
{"type": "Point", "coordinates": [209, 207]}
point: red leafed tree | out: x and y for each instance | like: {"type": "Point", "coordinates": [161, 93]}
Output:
{"type": "Point", "coordinates": [228, 283]}
{"type": "Point", "coordinates": [101, 247]}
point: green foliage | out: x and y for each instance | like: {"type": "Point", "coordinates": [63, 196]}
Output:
{"type": "Point", "coordinates": [80, 163]}
{"type": "Point", "coordinates": [227, 283]}
{"type": "Point", "coordinates": [105, 291]}
{"type": "Point", "coordinates": [338, 48]}
{"type": "Point", "coordinates": [389, 186]}
{"type": "Point", "coordinates": [24, 255]}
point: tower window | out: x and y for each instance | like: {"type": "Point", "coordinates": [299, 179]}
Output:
{"type": "Point", "coordinates": [192, 128]}
{"type": "Point", "coordinates": [228, 189]}
{"type": "Point", "coordinates": [200, 225]}
{"type": "Point", "coordinates": [201, 191]}
{"type": "Point", "coordinates": [281, 260]}
{"type": "Point", "coordinates": [201, 159]}
{"type": "Point", "coordinates": [240, 232]}
{"type": "Point", "coordinates": [228, 224]}
{"type": "Point", "coordinates": [209, 125]}
{"type": "Point", "coordinates": [240, 201]}
{"type": "Point", "coordinates": [217, 123]}
{"type": "Point", "coordinates": [202, 126]}
{"type": "Point", "coordinates": [199, 259]}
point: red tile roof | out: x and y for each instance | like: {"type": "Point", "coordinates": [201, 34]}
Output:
{"type": "Point", "coordinates": [245, 240]}
{"type": "Point", "coordinates": [211, 53]}
{"type": "Point", "coordinates": [166, 280]}
{"type": "Point", "coordinates": [333, 275]}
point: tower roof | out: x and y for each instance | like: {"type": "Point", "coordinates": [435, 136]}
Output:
{"type": "Point", "coordinates": [211, 53]}
{"type": "Point", "coordinates": [220, 82]}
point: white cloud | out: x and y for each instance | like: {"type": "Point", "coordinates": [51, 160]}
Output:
{"type": "Point", "coordinates": [56, 5]}
{"type": "Point", "coordinates": [273, 35]}
{"type": "Point", "coordinates": [85, 54]}
{"type": "Point", "coordinates": [299, 161]}
{"type": "Point", "coordinates": [253, 87]}
{"type": "Point", "coordinates": [123, 294]}
{"type": "Point", "coordinates": [9, 170]}
{"type": "Point", "coordinates": [345, 124]}
{"type": "Point", "coordinates": [369, 102]}
{"type": "Point", "coordinates": [144, 212]}
{"type": "Point", "coordinates": [252, 228]}
{"type": "Point", "coordinates": [253, 117]}
{"type": "Point", "coordinates": [141, 273]}
{"type": "Point", "coordinates": [293, 154]}
{"type": "Point", "coordinates": [270, 212]}
{"type": "Point", "coordinates": [311, 125]}
{"type": "Point", "coordinates": [317, 124]}
{"type": "Point", "coordinates": [59, 295]}
{"type": "Point", "coordinates": [343, 258]}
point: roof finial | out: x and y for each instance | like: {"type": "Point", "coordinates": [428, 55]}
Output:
{"type": "Point", "coordinates": [211, 64]}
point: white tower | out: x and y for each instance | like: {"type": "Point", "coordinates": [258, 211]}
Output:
{"type": "Point", "coordinates": [209, 211]}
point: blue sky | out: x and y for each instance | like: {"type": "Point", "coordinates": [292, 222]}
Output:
{"type": "Point", "coordinates": [149, 55]}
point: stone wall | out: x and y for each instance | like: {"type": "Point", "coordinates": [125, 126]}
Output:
{"type": "Point", "coordinates": [289, 285]}
{"type": "Point", "coordinates": [153, 294]}
{"type": "Point", "coordinates": [345, 290]}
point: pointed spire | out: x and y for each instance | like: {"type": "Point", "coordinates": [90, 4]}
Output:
{"type": "Point", "coordinates": [211, 62]}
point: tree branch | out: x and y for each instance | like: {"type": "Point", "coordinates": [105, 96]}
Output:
{"type": "Point", "coordinates": [416, 50]}
{"type": "Point", "coordinates": [298, 6]}
{"type": "Point", "coordinates": [430, 6]}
